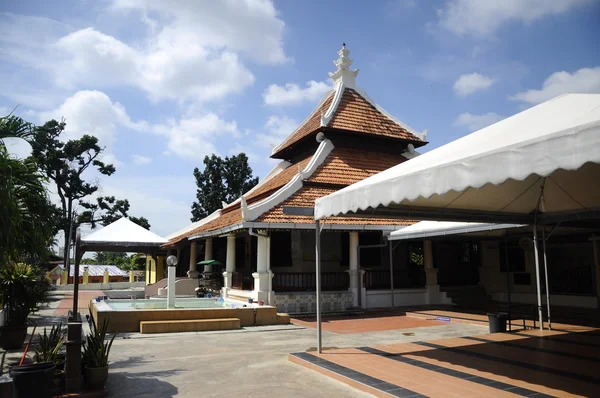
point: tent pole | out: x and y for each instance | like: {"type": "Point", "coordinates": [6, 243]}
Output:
{"type": "Point", "coordinates": [391, 273]}
{"type": "Point", "coordinates": [506, 266]}
{"type": "Point", "coordinates": [318, 283]}
{"type": "Point", "coordinates": [537, 274]}
{"type": "Point", "coordinates": [546, 275]}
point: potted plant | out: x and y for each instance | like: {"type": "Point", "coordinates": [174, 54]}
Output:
{"type": "Point", "coordinates": [95, 356]}
{"type": "Point", "coordinates": [48, 349]}
{"type": "Point", "coordinates": [21, 289]}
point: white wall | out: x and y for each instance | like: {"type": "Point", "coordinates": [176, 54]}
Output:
{"type": "Point", "coordinates": [103, 286]}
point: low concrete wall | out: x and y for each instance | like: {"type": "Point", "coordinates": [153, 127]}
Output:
{"type": "Point", "coordinates": [558, 299]}
{"type": "Point", "coordinates": [129, 321]}
{"type": "Point", "coordinates": [404, 297]}
{"type": "Point", "coordinates": [102, 286]}
{"type": "Point", "coordinates": [306, 302]}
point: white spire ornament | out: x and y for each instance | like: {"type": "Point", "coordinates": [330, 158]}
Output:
{"type": "Point", "coordinates": [343, 74]}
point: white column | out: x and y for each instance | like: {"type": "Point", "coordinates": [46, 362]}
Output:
{"type": "Point", "coordinates": [208, 253]}
{"type": "Point", "coordinates": [229, 264]}
{"type": "Point", "coordinates": [431, 283]}
{"type": "Point", "coordinates": [262, 274]}
{"type": "Point", "coordinates": [171, 287]}
{"type": "Point", "coordinates": [193, 272]}
{"type": "Point", "coordinates": [353, 269]}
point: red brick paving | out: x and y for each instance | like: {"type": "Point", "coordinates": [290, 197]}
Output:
{"type": "Point", "coordinates": [373, 322]}
{"type": "Point", "coordinates": [84, 299]}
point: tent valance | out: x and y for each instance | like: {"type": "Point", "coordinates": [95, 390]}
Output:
{"type": "Point", "coordinates": [501, 170]}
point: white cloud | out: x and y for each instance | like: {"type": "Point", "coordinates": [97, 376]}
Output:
{"type": "Point", "coordinates": [292, 94]}
{"type": "Point", "coordinates": [140, 159]}
{"type": "Point", "coordinates": [94, 113]}
{"type": "Point", "coordinates": [194, 137]}
{"type": "Point", "coordinates": [481, 17]}
{"type": "Point", "coordinates": [585, 80]}
{"type": "Point", "coordinates": [477, 122]}
{"type": "Point", "coordinates": [176, 194]}
{"type": "Point", "coordinates": [194, 50]}
{"type": "Point", "coordinates": [166, 70]}
{"type": "Point", "coordinates": [471, 83]}
{"type": "Point", "coordinates": [277, 129]}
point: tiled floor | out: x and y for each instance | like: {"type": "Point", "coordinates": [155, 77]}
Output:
{"type": "Point", "coordinates": [370, 322]}
{"type": "Point", "coordinates": [536, 363]}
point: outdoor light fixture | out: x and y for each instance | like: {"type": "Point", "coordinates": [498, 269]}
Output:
{"type": "Point", "coordinates": [172, 260]}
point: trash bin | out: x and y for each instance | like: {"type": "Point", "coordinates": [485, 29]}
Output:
{"type": "Point", "coordinates": [497, 321]}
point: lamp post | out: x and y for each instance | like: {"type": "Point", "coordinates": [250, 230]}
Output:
{"type": "Point", "coordinates": [171, 263]}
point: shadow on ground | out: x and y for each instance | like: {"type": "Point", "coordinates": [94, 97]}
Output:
{"type": "Point", "coordinates": [143, 384]}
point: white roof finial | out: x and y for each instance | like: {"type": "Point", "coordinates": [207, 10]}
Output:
{"type": "Point", "coordinates": [343, 73]}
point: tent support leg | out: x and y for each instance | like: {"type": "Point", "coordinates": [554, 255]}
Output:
{"type": "Point", "coordinates": [546, 275]}
{"type": "Point", "coordinates": [318, 283]}
{"type": "Point", "coordinates": [537, 275]}
{"type": "Point", "coordinates": [506, 267]}
{"type": "Point", "coordinates": [391, 273]}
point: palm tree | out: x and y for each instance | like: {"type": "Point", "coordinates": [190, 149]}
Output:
{"type": "Point", "coordinates": [25, 227]}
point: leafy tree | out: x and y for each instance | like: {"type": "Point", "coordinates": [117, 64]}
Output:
{"type": "Point", "coordinates": [221, 181]}
{"type": "Point", "coordinates": [64, 164]}
{"type": "Point", "coordinates": [110, 258]}
{"type": "Point", "coordinates": [107, 210]}
{"type": "Point", "coordinates": [141, 221]}
{"type": "Point", "coordinates": [26, 215]}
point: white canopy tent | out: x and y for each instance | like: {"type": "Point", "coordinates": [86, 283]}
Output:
{"type": "Point", "coordinates": [539, 166]}
{"type": "Point", "coordinates": [428, 229]}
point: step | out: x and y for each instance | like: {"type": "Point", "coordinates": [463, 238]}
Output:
{"type": "Point", "coordinates": [189, 325]}
{"type": "Point", "coordinates": [283, 319]}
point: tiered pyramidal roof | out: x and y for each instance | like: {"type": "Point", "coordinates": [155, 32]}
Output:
{"type": "Point", "coordinates": [347, 138]}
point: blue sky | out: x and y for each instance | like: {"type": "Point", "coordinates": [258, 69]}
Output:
{"type": "Point", "coordinates": [163, 86]}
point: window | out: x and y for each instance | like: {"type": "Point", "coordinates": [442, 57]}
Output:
{"type": "Point", "coordinates": [512, 254]}
{"type": "Point", "coordinates": [370, 257]}
{"type": "Point", "coordinates": [281, 249]}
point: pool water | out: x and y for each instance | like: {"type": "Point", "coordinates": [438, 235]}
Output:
{"type": "Point", "coordinates": [161, 304]}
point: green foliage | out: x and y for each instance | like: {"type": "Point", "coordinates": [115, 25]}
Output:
{"type": "Point", "coordinates": [141, 221]}
{"type": "Point", "coordinates": [110, 258]}
{"type": "Point", "coordinates": [221, 181]}
{"type": "Point", "coordinates": [27, 218]}
{"type": "Point", "coordinates": [22, 288]}
{"type": "Point", "coordinates": [49, 345]}
{"type": "Point", "coordinates": [95, 348]}
{"type": "Point", "coordinates": [64, 163]}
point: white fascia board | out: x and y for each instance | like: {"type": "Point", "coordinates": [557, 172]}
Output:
{"type": "Point", "coordinates": [284, 164]}
{"type": "Point", "coordinates": [252, 212]}
{"type": "Point", "coordinates": [422, 135]}
{"type": "Point", "coordinates": [327, 94]}
{"type": "Point", "coordinates": [337, 98]}
{"type": "Point", "coordinates": [293, 226]}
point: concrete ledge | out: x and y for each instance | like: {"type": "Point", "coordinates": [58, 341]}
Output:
{"type": "Point", "coordinates": [283, 319]}
{"type": "Point", "coordinates": [189, 325]}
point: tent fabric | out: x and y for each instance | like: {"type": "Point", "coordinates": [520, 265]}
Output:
{"type": "Point", "coordinates": [429, 229]}
{"type": "Point", "coordinates": [123, 231]}
{"type": "Point", "coordinates": [497, 169]}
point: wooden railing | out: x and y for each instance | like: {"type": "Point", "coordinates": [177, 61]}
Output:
{"type": "Point", "coordinates": [242, 281]}
{"type": "Point", "coordinates": [403, 279]}
{"type": "Point", "coordinates": [306, 281]}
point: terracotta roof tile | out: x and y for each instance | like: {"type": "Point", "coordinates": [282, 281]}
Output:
{"type": "Point", "coordinates": [278, 180]}
{"type": "Point", "coordinates": [345, 166]}
{"type": "Point", "coordinates": [306, 197]}
{"type": "Point", "coordinates": [353, 113]}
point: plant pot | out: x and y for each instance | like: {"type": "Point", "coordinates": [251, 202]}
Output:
{"type": "Point", "coordinates": [12, 337]}
{"type": "Point", "coordinates": [95, 378]}
{"type": "Point", "coordinates": [33, 380]}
